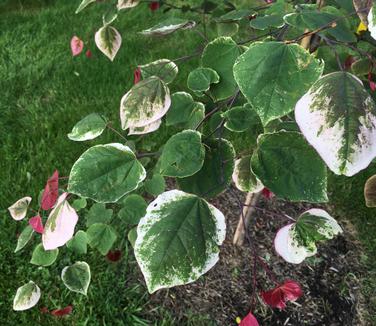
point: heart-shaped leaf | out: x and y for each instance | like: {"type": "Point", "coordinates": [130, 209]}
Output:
{"type": "Point", "coordinates": [102, 237]}
{"type": "Point", "coordinates": [27, 296]}
{"type": "Point", "coordinates": [108, 40]}
{"type": "Point", "coordinates": [43, 257]}
{"type": "Point", "coordinates": [165, 69]}
{"type": "Point", "coordinates": [77, 277]}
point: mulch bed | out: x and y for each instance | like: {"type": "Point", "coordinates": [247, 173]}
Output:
{"type": "Point", "coordinates": [330, 280]}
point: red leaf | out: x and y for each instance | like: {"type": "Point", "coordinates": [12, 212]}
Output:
{"type": "Point", "coordinates": [114, 255]}
{"type": "Point", "coordinates": [137, 75]}
{"type": "Point", "coordinates": [154, 5]}
{"type": "Point", "coordinates": [277, 297]}
{"type": "Point", "coordinates": [88, 54]}
{"type": "Point", "coordinates": [372, 84]}
{"type": "Point", "coordinates": [348, 62]}
{"type": "Point", "coordinates": [249, 320]}
{"type": "Point", "coordinates": [267, 193]}
{"type": "Point", "coordinates": [51, 192]}
{"type": "Point", "coordinates": [62, 312]}
{"type": "Point", "coordinates": [36, 223]}
{"type": "Point", "coordinates": [77, 45]}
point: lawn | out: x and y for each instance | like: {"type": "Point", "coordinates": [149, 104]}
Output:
{"type": "Point", "coordinates": [44, 92]}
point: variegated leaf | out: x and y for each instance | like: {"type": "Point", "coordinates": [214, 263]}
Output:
{"type": "Point", "coordinates": [83, 5]}
{"type": "Point", "coordinates": [77, 277]}
{"type": "Point", "coordinates": [27, 296]}
{"type": "Point", "coordinates": [370, 192]}
{"type": "Point", "coordinates": [169, 26]}
{"type": "Point", "coordinates": [124, 4]}
{"type": "Point", "coordinates": [243, 176]}
{"type": "Point", "coordinates": [145, 129]}
{"type": "Point", "coordinates": [165, 69]}
{"type": "Point", "coordinates": [108, 40]}
{"type": "Point", "coordinates": [338, 118]}
{"type": "Point", "coordinates": [19, 209]}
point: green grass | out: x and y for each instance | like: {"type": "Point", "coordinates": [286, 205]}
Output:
{"type": "Point", "coordinates": [44, 92]}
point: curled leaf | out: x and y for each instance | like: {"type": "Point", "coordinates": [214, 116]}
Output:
{"type": "Point", "coordinates": [62, 312]}
{"type": "Point", "coordinates": [19, 209]}
{"type": "Point", "coordinates": [370, 192]}
{"type": "Point", "coordinates": [277, 297]}
{"type": "Point", "coordinates": [51, 192]}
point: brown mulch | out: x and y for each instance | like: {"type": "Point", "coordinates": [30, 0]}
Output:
{"type": "Point", "coordinates": [330, 280]}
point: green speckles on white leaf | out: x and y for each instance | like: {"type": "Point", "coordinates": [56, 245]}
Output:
{"type": "Point", "coordinates": [19, 209]}
{"type": "Point", "coordinates": [178, 239]}
{"type": "Point", "coordinates": [27, 296]}
{"type": "Point", "coordinates": [146, 103]}
{"type": "Point", "coordinates": [338, 118]}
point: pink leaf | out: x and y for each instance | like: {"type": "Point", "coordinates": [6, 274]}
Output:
{"type": "Point", "coordinates": [36, 223]}
{"type": "Point", "coordinates": [154, 5]}
{"type": "Point", "coordinates": [114, 255]}
{"type": "Point", "coordinates": [62, 312]}
{"type": "Point", "coordinates": [267, 193]}
{"type": "Point", "coordinates": [77, 45]}
{"type": "Point", "coordinates": [137, 75]}
{"type": "Point", "coordinates": [249, 320]}
{"type": "Point", "coordinates": [277, 297]}
{"type": "Point", "coordinates": [51, 192]}
{"type": "Point", "coordinates": [88, 54]}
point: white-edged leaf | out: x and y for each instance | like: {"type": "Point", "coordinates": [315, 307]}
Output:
{"type": "Point", "coordinates": [178, 239]}
{"type": "Point", "coordinates": [24, 238]}
{"type": "Point", "coordinates": [338, 118]}
{"type": "Point", "coordinates": [125, 4]}
{"type": "Point", "coordinates": [19, 209]}
{"type": "Point", "coordinates": [43, 257]}
{"type": "Point", "coordinates": [145, 103]}
{"type": "Point", "coordinates": [244, 178]}
{"type": "Point", "coordinates": [27, 296]}
{"type": "Point", "coordinates": [88, 128]}
{"type": "Point", "coordinates": [165, 69]}
{"type": "Point", "coordinates": [108, 40]}
{"type": "Point", "coordinates": [83, 5]}
{"type": "Point", "coordinates": [77, 277]}
{"type": "Point", "coordinates": [59, 228]}
{"type": "Point", "coordinates": [169, 26]}
{"type": "Point", "coordinates": [297, 241]}
{"type": "Point", "coordinates": [145, 129]}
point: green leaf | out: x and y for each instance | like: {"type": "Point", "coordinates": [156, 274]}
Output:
{"type": "Point", "coordinates": [105, 173]}
{"type": "Point", "coordinates": [241, 118]}
{"type": "Point", "coordinates": [132, 236]}
{"type": "Point", "coordinates": [108, 41]}
{"type": "Point", "coordinates": [261, 75]}
{"type": "Point", "coordinates": [146, 102]}
{"type": "Point", "coordinates": [98, 213]}
{"type": "Point", "coordinates": [338, 118]}
{"type": "Point", "coordinates": [220, 55]}
{"type": "Point", "coordinates": [27, 296]}
{"type": "Point", "coordinates": [297, 241]}
{"type": "Point", "coordinates": [267, 21]}
{"type": "Point", "coordinates": [315, 19]}
{"type": "Point", "coordinates": [79, 204]}
{"type": "Point", "coordinates": [165, 69]}
{"type": "Point", "coordinates": [156, 185]}
{"type": "Point", "coordinates": [78, 243]}
{"type": "Point", "coordinates": [215, 174]}
{"type": "Point", "coordinates": [227, 29]}
{"type": "Point", "coordinates": [183, 155]}
{"type": "Point", "coordinates": [134, 208]}
{"type": "Point", "coordinates": [289, 167]}
{"type": "Point", "coordinates": [43, 257]}
{"type": "Point", "coordinates": [235, 15]}
{"type": "Point", "coordinates": [83, 5]}
{"type": "Point", "coordinates": [102, 237]}
{"type": "Point", "coordinates": [243, 176]}
{"type": "Point", "coordinates": [178, 239]}
{"type": "Point", "coordinates": [169, 26]}
{"type": "Point", "coordinates": [370, 191]}
{"type": "Point", "coordinates": [77, 277]}
{"type": "Point", "coordinates": [24, 238]}
{"type": "Point", "coordinates": [88, 128]}
{"type": "Point", "coordinates": [184, 111]}
{"type": "Point", "coordinates": [200, 79]}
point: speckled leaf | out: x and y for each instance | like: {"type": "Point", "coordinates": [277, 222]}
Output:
{"type": "Point", "coordinates": [243, 176]}
{"type": "Point", "coordinates": [134, 207]}
{"type": "Point", "coordinates": [108, 41]}
{"type": "Point", "coordinates": [183, 155]}
{"type": "Point", "coordinates": [241, 118]}
{"type": "Point", "coordinates": [83, 5]}
{"type": "Point", "coordinates": [297, 241]}
{"type": "Point", "coordinates": [220, 55]}
{"type": "Point", "coordinates": [338, 118]}
{"type": "Point", "coordinates": [102, 237]}
{"type": "Point", "coordinates": [146, 102]}
{"type": "Point", "coordinates": [145, 129]}
{"type": "Point", "coordinates": [24, 238]}
{"type": "Point", "coordinates": [19, 209]}
{"type": "Point", "coordinates": [370, 192]}
{"type": "Point", "coordinates": [105, 173]}
{"type": "Point", "coordinates": [43, 257]}
{"type": "Point", "coordinates": [88, 128]}
{"type": "Point", "coordinates": [274, 75]}
{"type": "Point", "coordinates": [27, 296]}
{"type": "Point", "coordinates": [59, 228]}
{"type": "Point", "coordinates": [178, 239]}
{"type": "Point", "coordinates": [165, 69]}
{"type": "Point", "coordinates": [184, 111]}
{"type": "Point", "coordinates": [77, 277]}
{"type": "Point", "coordinates": [289, 167]}
{"type": "Point", "coordinates": [169, 26]}
{"type": "Point", "coordinates": [124, 4]}
{"type": "Point", "coordinates": [78, 243]}
{"type": "Point", "coordinates": [215, 175]}
{"type": "Point", "coordinates": [200, 79]}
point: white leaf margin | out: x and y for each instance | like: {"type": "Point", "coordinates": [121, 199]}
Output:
{"type": "Point", "coordinates": [103, 47]}
{"type": "Point", "coordinates": [18, 210]}
{"type": "Point", "coordinates": [32, 300]}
